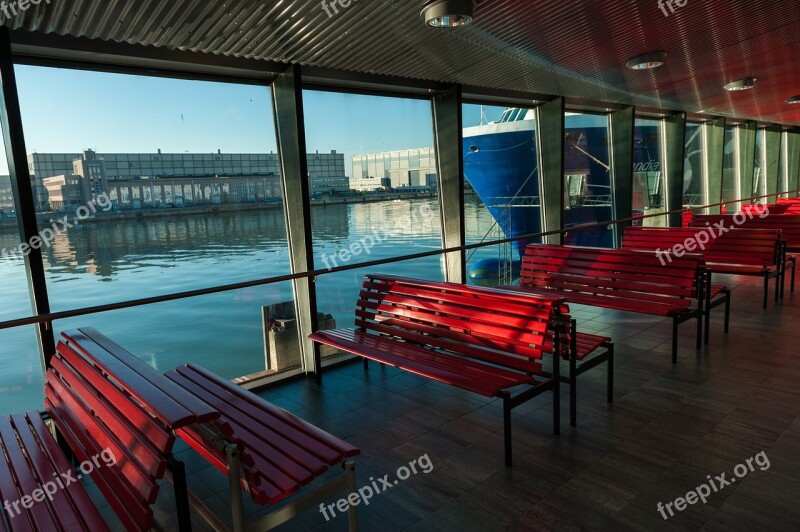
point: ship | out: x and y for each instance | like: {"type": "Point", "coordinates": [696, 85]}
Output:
{"type": "Point", "coordinates": [501, 165]}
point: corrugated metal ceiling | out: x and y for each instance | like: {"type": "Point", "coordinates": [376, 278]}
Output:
{"type": "Point", "coordinates": [575, 48]}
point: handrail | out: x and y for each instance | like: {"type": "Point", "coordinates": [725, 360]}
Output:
{"type": "Point", "coordinates": [54, 316]}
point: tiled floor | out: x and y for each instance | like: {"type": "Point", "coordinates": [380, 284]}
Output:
{"type": "Point", "coordinates": [668, 429]}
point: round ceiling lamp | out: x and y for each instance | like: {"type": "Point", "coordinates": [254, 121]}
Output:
{"type": "Point", "coordinates": [448, 13]}
{"type": "Point", "coordinates": [647, 61]}
{"type": "Point", "coordinates": [741, 84]}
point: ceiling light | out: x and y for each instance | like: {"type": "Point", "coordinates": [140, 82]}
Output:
{"type": "Point", "coordinates": [448, 13]}
{"type": "Point", "coordinates": [793, 99]}
{"type": "Point", "coordinates": [647, 61]}
{"type": "Point", "coordinates": [741, 85]}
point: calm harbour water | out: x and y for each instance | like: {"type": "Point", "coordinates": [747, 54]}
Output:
{"type": "Point", "coordinates": [112, 261]}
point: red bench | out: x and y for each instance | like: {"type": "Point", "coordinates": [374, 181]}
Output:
{"type": "Point", "coordinates": [278, 453]}
{"type": "Point", "coordinates": [485, 341]}
{"type": "Point", "coordinates": [98, 401]}
{"type": "Point", "coordinates": [787, 224]}
{"type": "Point", "coordinates": [32, 458]}
{"type": "Point", "coordinates": [616, 279]}
{"type": "Point", "coordinates": [755, 252]}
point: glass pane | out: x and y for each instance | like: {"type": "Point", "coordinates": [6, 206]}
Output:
{"type": "Point", "coordinates": [156, 199]}
{"type": "Point", "coordinates": [21, 385]}
{"type": "Point", "coordinates": [587, 180]}
{"type": "Point", "coordinates": [502, 192]}
{"type": "Point", "coordinates": [158, 205]}
{"type": "Point", "coordinates": [695, 191]}
{"type": "Point", "coordinates": [649, 186]}
{"type": "Point", "coordinates": [730, 171]}
{"type": "Point", "coordinates": [392, 207]}
{"type": "Point", "coordinates": [223, 332]}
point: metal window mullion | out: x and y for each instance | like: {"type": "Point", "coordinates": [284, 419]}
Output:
{"type": "Point", "coordinates": [287, 99]}
{"type": "Point", "coordinates": [550, 148]}
{"type": "Point", "coordinates": [16, 153]}
{"type": "Point", "coordinates": [621, 135]}
{"type": "Point", "coordinates": [673, 139]}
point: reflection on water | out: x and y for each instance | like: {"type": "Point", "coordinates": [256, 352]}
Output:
{"type": "Point", "coordinates": [111, 261]}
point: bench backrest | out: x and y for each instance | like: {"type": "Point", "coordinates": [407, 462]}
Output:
{"type": "Point", "coordinates": [631, 275]}
{"type": "Point", "coordinates": [787, 224]}
{"type": "Point", "coordinates": [752, 247]}
{"type": "Point", "coordinates": [88, 393]}
{"type": "Point", "coordinates": [500, 328]}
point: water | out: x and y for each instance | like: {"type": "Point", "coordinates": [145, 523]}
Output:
{"type": "Point", "coordinates": [112, 261]}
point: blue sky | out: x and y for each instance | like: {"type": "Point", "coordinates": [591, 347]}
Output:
{"type": "Point", "coordinates": [71, 110]}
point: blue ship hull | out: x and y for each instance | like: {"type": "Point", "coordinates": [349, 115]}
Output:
{"type": "Point", "coordinates": [501, 165]}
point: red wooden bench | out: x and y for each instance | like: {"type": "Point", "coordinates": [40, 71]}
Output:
{"type": "Point", "coordinates": [99, 400]}
{"type": "Point", "coordinates": [787, 224]}
{"type": "Point", "coordinates": [278, 453]}
{"type": "Point", "coordinates": [485, 341]}
{"type": "Point", "coordinates": [617, 279]}
{"type": "Point", "coordinates": [31, 460]}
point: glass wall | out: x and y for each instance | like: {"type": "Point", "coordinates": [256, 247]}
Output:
{"type": "Point", "coordinates": [695, 186]}
{"type": "Point", "coordinates": [588, 193]}
{"type": "Point", "coordinates": [649, 186]}
{"type": "Point", "coordinates": [390, 206]}
{"type": "Point", "coordinates": [148, 186]}
{"type": "Point", "coordinates": [20, 365]}
{"type": "Point", "coordinates": [730, 170]}
{"type": "Point", "coordinates": [502, 190]}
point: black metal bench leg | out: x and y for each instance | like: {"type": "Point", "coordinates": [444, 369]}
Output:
{"type": "Point", "coordinates": [766, 291]}
{"type": "Point", "coordinates": [181, 495]}
{"type": "Point", "coordinates": [573, 392]}
{"type": "Point", "coordinates": [610, 376]}
{"type": "Point", "coordinates": [557, 392]}
{"type": "Point", "coordinates": [778, 283]}
{"type": "Point", "coordinates": [366, 364]}
{"type": "Point", "coordinates": [794, 268]}
{"type": "Point", "coordinates": [317, 364]}
{"type": "Point", "coordinates": [674, 340]}
{"type": "Point", "coordinates": [727, 311]}
{"type": "Point", "coordinates": [507, 426]}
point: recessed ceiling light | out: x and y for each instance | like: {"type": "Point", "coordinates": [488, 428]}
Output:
{"type": "Point", "coordinates": [741, 84]}
{"type": "Point", "coordinates": [448, 13]}
{"type": "Point", "coordinates": [793, 99]}
{"type": "Point", "coordinates": [647, 61]}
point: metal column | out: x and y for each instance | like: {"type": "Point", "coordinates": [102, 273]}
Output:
{"type": "Point", "coordinates": [714, 153]}
{"type": "Point", "coordinates": [447, 128]}
{"type": "Point", "coordinates": [772, 136]}
{"type": "Point", "coordinates": [674, 149]}
{"type": "Point", "coordinates": [550, 132]}
{"type": "Point", "coordinates": [621, 124]}
{"type": "Point", "coordinates": [21, 186]}
{"type": "Point", "coordinates": [790, 161]}
{"type": "Point", "coordinates": [287, 99]}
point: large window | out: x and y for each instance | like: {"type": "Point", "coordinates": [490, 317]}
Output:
{"type": "Point", "coordinates": [502, 189]}
{"type": "Point", "coordinates": [159, 186]}
{"type": "Point", "coordinates": [386, 204]}
{"type": "Point", "coordinates": [588, 194]}
{"type": "Point", "coordinates": [649, 186]}
{"type": "Point", "coordinates": [695, 187]}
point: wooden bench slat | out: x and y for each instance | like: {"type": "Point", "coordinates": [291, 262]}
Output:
{"type": "Point", "coordinates": [147, 453]}
{"type": "Point", "coordinates": [264, 449]}
{"type": "Point", "coordinates": [79, 499]}
{"type": "Point", "coordinates": [23, 477]}
{"type": "Point", "coordinates": [456, 372]}
{"type": "Point", "coordinates": [173, 406]}
{"type": "Point", "coordinates": [116, 492]}
{"type": "Point", "coordinates": [433, 336]}
{"type": "Point", "coordinates": [97, 437]}
{"type": "Point", "coordinates": [9, 489]}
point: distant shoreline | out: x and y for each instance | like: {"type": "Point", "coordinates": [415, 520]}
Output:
{"type": "Point", "coordinates": [140, 214]}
